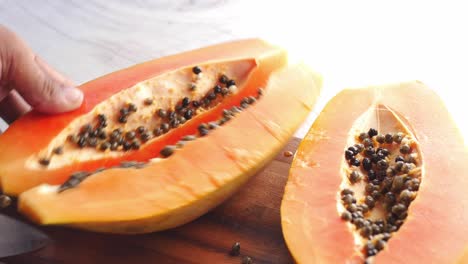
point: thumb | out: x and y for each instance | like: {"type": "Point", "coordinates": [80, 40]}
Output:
{"type": "Point", "coordinates": [41, 86]}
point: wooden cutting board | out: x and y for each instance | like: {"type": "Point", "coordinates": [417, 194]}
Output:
{"type": "Point", "coordinates": [251, 217]}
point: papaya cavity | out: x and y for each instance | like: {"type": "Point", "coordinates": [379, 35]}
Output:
{"type": "Point", "coordinates": [381, 175]}
{"type": "Point", "coordinates": [141, 114]}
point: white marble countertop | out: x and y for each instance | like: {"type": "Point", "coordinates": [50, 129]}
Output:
{"type": "Point", "coordinates": [351, 43]}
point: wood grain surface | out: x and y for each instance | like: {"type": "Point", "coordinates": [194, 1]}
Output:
{"type": "Point", "coordinates": [251, 217]}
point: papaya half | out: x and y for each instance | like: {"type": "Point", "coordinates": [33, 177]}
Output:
{"type": "Point", "coordinates": [156, 145]}
{"type": "Point", "coordinates": [381, 177]}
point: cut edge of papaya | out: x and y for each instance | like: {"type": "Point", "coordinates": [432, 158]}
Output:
{"type": "Point", "coordinates": [53, 208]}
{"type": "Point", "coordinates": [430, 121]}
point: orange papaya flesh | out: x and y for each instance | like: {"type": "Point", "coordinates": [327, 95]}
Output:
{"type": "Point", "coordinates": [27, 157]}
{"type": "Point", "coordinates": [433, 231]}
{"type": "Point", "coordinates": [204, 172]}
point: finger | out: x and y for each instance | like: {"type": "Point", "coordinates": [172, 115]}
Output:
{"type": "Point", "coordinates": [13, 106]}
{"type": "Point", "coordinates": [42, 87]}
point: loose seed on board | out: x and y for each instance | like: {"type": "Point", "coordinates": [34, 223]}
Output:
{"type": "Point", "coordinates": [247, 260]}
{"type": "Point", "coordinates": [288, 154]}
{"type": "Point", "coordinates": [235, 249]}
{"type": "Point", "coordinates": [5, 201]}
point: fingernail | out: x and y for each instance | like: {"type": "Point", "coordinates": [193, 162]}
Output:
{"type": "Point", "coordinates": [73, 95]}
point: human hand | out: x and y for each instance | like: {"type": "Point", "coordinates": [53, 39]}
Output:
{"type": "Point", "coordinates": [28, 82]}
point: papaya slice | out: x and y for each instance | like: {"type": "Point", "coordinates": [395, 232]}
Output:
{"type": "Point", "coordinates": [379, 178]}
{"type": "Point", "coordinates": [132, 114]}
{"type": "Point", "coordinates": [177, 176]}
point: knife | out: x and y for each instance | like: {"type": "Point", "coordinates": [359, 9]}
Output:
{"type": "Point", "coordinates": [17, 237]}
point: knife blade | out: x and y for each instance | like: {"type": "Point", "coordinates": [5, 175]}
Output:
{"type": "Point", "coordinates": [17, 237]}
